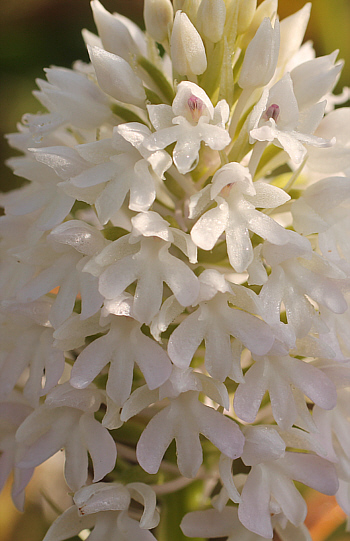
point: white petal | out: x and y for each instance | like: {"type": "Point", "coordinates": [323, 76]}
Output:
{"type": "Point", "coordinates": [76, 466]}
{"type": "Point", "coordinates": [249, 394]}
{"type": "Point", "coordinates": [152, 360]}
{"type": "Point", "coordinates": [312, 470]}
{"type": "Point", "coordinates": [262, 443]}
{"type": "Point", "coordinates": [180, 278]}
{"type": "Point", "coordinates": [254, 511]}
{"type": "Point", "coordinates": [69, 524]}
{"type": "Point", "coordinates": [154, 441]}
{"type": "Point", "coordinates": [100, 445]}
{"type": "Point", "coordinates": [114, 34]}
{"type": "Point", "coordinates": [116, 77]}
{"type": "Point", "coordinates": [100, 497]}
{"type": "Point", "coordinates": [221, 431]}
{"type": "Point", "coordinates": [188, 448]}
{"type": "Point", "coordinates": [185, 340]}
{"type": "Point", "coordinates": [91, 361]}
{"type": "Point", "coordinates": [146, 496]}
{"type": "Point", "coordinates": [225, 468]}
{"type": "Point", "coordinates": [289, 498]}
{"type": "Point", "coordinates": [210, 226]}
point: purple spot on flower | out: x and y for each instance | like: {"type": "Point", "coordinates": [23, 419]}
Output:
{"type": "Point", "coordinates": [195, 106]}
{"type": "Point", "coordinates": [272, 112]}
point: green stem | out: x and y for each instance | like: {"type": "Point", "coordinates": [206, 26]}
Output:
{"type": "Point", "coordinates": [174, 508]}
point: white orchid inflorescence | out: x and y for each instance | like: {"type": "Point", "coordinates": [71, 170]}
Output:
{"type": "Point", "coordinates": [181, 248]}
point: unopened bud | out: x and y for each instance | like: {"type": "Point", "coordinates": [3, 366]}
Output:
{"type": "Point", "coordinates": [211, 17]}
{"type": "Point", "coordinates": [187, 49]}
{"type": "Point", "coordinates": [190, 7]}
{"type": "Point", "coordinates": [178, 4]}
{"type": "Point", "coordinates": [158, 15]}
{"type": "Point", "coordinates": [267, 8]}
{"type": "Point", "coordinates": [245, 15]}
{"type": "Point", "coordinates": [116, 77]}
{"type": "Point", "coordinates": [261, 56]}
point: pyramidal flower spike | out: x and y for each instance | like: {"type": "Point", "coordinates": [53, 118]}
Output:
{"type": "Point", "coordinates": [174, 305]}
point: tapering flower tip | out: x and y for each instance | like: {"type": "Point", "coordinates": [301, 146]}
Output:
{"type": "Point", "coordinates": [158, 15]}
{"type": "Point", "coordinates": [101, 497]}
{"type": "Point", "coordinates": [211, 18]}
{"type": "Point", "coordinates": [261, 56]}
{"type": "Point", "coordinates": [114, 33]}
{"type": "Point", "coordinates": [245, 15]}
{"type": "Point", "coordinates": [178, 4]}
{"type": "Point", "coordinates": [187, 49]}
{"type": "Point", "coordinates": [116, 77]}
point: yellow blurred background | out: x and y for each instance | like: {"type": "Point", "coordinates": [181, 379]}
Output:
{"type": "Point", "coordinates": [38, 33]}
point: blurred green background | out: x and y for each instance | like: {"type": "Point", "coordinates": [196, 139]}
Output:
{"type": "Point", "coordinates": [35, 34]}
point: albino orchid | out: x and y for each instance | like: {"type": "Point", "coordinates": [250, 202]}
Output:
{"type": "Point", "coordinates": [175, 278]}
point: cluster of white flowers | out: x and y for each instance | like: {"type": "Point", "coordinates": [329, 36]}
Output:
{"type": "Point", "coordinates": [181, 248]}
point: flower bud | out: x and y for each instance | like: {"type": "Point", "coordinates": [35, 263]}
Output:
{"type": "Point", "coordinates": [245, 15]}
{"type": "Point", "coordinates": [187, 49]}
{"type": "Point", "coordinates": [178, 4]}
{"type": "Point", "coordinates": [116, 77]}
{"type": "Point", "coordinates": [114, 34]}
{"type": "Point", "coordinates": [190, 7]}
{"type": "Point", "coordinates": [158, 15]}
{"type": "Point", "coordinates": [261, 56]}
{"type": "Point", "coordinates": [267, 8]}
{"type": "Point", "coordinates": [211, 19]}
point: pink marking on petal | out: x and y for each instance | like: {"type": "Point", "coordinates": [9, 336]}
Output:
{"type": "Point", "coordinates": [272, 112]}
{"type": "Point", "coordinates": [195, 106]}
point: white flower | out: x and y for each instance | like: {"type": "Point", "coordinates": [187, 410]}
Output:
{"type": "Point", "coordinates": [187, 48]}
{"type": "Point", "coordinates": [279, 375]}
{"type": "Point", "coordinates": [143, 256]}
{"type": "Point", "coordinates": [324, 209]}
{"type": "Point", "coordinates": [276, 118]}
{"type": "Point", "coordinates": [213, 523]}
{"type": "Point", "coordinates": [68, 247]}
{"type": "Point", "coordinates": [71, 98]}
{"type": "Point", "coordinates": [13, 412]}
{"type": "Point", "coordinates": [191, 119]}
{"type": "Point", "coordinates": [211, 16]}
{"type": "Point", "coordinates": [261, 56]}
{"type": "Point", "coordinates": [66, 420]}
{"type": "Point", "coordinates": [158, 15]}
{"type": "Point", "coordinates": [122, 346]}
{"type": "Point", "coordinates": [43, 196]}
{"type": "Point", "coordinates": [333, 434]}
{"type": "Point", "coordinates": [237, 197]}
{"type": "Point", "coordinates": [335, 159]}
{"type": "Point", "coordinates": [312, 80]}
{"type": "Point", "coordinates": [118, 34]}
{"type": "Point", "coordinates": [292, 31]}
{"type": "Point", "coordinates": [184, 419]}
{"type": "Point", "coordinates": [215, 322]}
{"type": "Point", "coordinates": [269, 489]}
{"type": "Point", "coordinates": [116, 77]}
{"type": "Point", "coordinates": [103, 172]}
{"type": "Point", "coordinates": [295, 277]}
{"type": "Point", "coordinates": [27, 344]}
{"type": "Point", "coordinates": [103, 507]}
